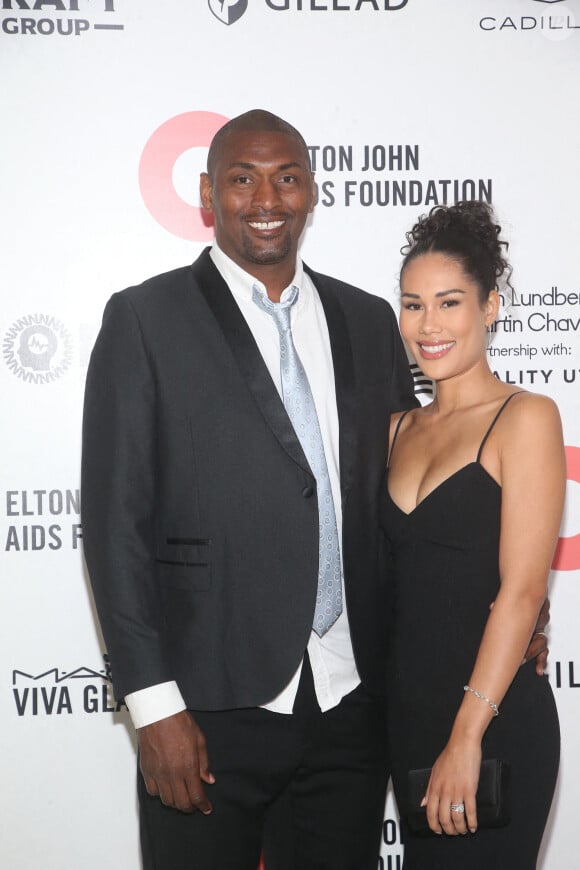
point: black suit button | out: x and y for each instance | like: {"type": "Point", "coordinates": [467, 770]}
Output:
{"type": "Point", "coordinates": [308, 492]}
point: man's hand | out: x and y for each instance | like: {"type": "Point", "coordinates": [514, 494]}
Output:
{"type": "Point", "coordinates": [174, 762]}
{"type": "Point", "coordinates": [538, 648]}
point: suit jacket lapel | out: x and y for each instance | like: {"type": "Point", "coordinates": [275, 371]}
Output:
{"type": "Point", "coordinates": [249, 359]}
{"type": "Point", "coordinates": [344, 375]}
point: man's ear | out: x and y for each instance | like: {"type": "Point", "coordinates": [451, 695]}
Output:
{"type": "Point", "coordinates": [313, 202]}
{"type": "Point", "coordinates": [206, 191]}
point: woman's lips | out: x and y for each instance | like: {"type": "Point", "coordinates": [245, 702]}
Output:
{"type": "Point", "coordinates": [435, 350]}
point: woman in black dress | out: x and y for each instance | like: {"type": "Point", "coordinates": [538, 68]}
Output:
{"type": "Point", "coordinates": [475, 492]}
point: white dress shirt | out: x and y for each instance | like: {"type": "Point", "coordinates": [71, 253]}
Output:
{"type": "Point", "coordinates": [331, 656]}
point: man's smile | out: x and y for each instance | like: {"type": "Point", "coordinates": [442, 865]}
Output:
{"type": "Point", "coordinates": [267, 225]}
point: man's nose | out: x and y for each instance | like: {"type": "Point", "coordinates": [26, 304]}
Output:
{"type": "Point", "coordinates": [266, 194]}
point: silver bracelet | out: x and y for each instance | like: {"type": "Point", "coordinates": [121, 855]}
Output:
{"type": "Point", "coordinates": [477, 694]}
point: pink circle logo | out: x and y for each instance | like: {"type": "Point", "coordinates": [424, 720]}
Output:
{"type": "Point", "coordinates": [567, 555]}
{"type": "Point", "coordinates": [162, 150]}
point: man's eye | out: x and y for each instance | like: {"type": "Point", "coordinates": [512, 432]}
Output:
{"type": "Point", "coordinates": [288, 179]}
{"type": "Point", "coordinates": [242, 179]}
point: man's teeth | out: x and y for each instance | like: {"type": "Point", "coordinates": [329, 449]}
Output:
{"type": "Point", "coordinates": [266, 225]}
{"type": "Point", "coordinates": [436, 348]}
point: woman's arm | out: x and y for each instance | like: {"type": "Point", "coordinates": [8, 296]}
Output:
{"type": "Point", "coordinates": [531, 466]}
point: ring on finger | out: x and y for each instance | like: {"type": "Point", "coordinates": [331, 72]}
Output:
{"type": "Point", "coordinates": [458, 808]}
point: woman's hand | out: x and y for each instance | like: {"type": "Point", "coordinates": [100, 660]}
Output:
{"type": "Point", "coordinates": [454, 781]}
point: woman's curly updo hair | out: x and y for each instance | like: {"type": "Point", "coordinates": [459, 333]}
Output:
{"type": "Point", "coordinates": [467, 233]}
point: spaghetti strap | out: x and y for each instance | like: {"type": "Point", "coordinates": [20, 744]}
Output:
{"type": "Point", "coordinates": [396, 432]}
{"type": "Point", "coordinates": [493, 422]}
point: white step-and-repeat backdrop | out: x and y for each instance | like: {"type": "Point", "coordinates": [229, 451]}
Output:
{"type": "Point", "coordinates": [107, 108]}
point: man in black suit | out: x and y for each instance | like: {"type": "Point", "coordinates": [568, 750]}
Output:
{"type": "Point", "coordinates": [201, 528]}
{"type": "Point", "coordinates": [205, 527]}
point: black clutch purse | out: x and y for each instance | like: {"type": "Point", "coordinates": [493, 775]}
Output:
{"type": "Point", "coordinates": [492, 797]}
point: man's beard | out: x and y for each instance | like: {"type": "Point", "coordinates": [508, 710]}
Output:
{"type": "Point", "coordinates": [275, 252]}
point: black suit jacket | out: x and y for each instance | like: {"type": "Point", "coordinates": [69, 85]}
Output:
{"type": "Point", "coordinates": [200, 517]}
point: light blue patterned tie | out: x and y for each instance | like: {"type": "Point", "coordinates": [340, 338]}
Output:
{"type": "Point", "coordinates": [299, 404]}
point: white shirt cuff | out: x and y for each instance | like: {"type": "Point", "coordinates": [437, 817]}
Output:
{"type": "Point", "coordinates": [154, 703]}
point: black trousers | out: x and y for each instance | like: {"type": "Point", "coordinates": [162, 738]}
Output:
{"type": "Point", "coordinates": [308, 788]}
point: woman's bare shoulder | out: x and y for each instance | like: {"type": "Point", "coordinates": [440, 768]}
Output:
{"type": "Point", "coordinates": [396, 417]}
{"type": "Point", "coordinates": [530, 418]}
{"type": "Point", "coordinates": [526, 408]}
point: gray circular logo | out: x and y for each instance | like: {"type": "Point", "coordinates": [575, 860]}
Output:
{"type": "Point", "coordinates": [37, 348]}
